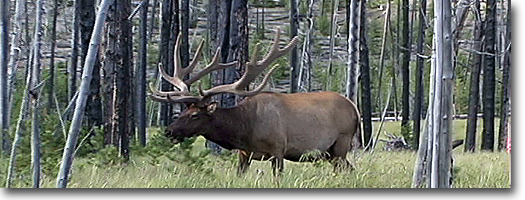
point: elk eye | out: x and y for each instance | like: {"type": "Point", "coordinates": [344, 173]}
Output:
{"type": "Point", "coordinates": [194, 116]}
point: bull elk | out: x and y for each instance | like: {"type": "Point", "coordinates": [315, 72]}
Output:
{"type": "Point", "coordinates": [267, 125]}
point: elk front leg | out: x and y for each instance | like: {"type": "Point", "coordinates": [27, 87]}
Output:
{"type": "Point", "coordinates": [277, 165]}
{"type": "Point", "coordinates": [244, 162]}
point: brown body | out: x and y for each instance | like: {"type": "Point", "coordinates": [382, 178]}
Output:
{"type": "Point", "coordinates": [277, 126]}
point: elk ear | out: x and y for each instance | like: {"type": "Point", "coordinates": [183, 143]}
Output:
{"type": "Point", "coordinates": [212, 107]}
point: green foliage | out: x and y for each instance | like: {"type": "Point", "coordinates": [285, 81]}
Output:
{"type": "Point", "coordinates": [337, 79]}
{"type": "Point", "coordinates": [105, 157]}
{"type": "Point", "coordinates": [323, 25]}
{"type": "Point", "coordinates": [160, 149]}
{"type": "Point", "coordinates": [406, 132]}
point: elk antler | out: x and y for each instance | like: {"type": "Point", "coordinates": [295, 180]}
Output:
{"type": "Point", "coordinates": [253, 68]}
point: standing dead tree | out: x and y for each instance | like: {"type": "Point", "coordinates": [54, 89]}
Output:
{"type": "Point", "coordinates": [433, 165]}
{"type": "Point", "coordinates": [4, 44]}
{"type": "Point", "coordinates": [352, 65]}
{"type": "Point", "coordinates": [16, 34]}
{"type": "Point", "coordinates": [34, 94]}
{"type": "Point", "coordinates": [67, 158]}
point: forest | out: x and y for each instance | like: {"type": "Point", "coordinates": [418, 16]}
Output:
{"type": "Point", "coordinates": [91, 91]}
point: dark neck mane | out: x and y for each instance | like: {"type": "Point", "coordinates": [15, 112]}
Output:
{"type": "Point", "coordinates": [229, 128]}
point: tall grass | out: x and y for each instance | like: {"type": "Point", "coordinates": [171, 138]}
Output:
{"type": "Point", "coordinates": [380, 169]}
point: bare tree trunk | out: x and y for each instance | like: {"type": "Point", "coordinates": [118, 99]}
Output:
{"type": "Point", "coordinates": [333, 22]}
{"type": "Point", "coordinates": [386, 27]}
{"type": "Point", "coordinates": [169, 31]}
{"type": "Point", "coordinates": [420, 65]}
{"type": "Point", "coordinates": [238, 39]}
{"type": "Point", "coordinates": [153, 22]}
{"type": "Point", "coordinates": [4, 100]}
{"type": "Point", "coordinates": [440, 174]}
{"type": "Point", "coordinates": [16, 47]}
{"type": "Point", "coordinates": [352, 65]}
{"type": "Point", "coordinates": [35, 81]}
{"type": "Point", "coordinates": [366, 101]}
{"type": "Point", "coordinates": [141, 74]}
{"type": "Point", "coordinates": [72, 88]}
{"type": "Point", "coordinates": [51, 82]}
{"type": "Point", "coordinates": [404, 59]}
{"type": "Point", "coordinates": [122, 9]}
{"type": "Point", "coordinates": [94, 103]}
{"type": "Point", "coordinates": [215, 30]}
{"type": "Point", "coordinates": [489, 72]}
{"type": "Point", "coordinates": [305, 73]}
{"type": "Point", "coordinates": [185, 22]}
{"type": "Point", "coordinates": [67, 158]}
{"type": "Point", "coordinates": [294, 25]}
{"type": "Point", "coordinates": [110, 65]}
{"type": "Point", "coordinates": [18, 131]}
{"type": "Point", "coordinates": [163, 53]}
{"type": "Point", "coordinates": [470, 138]}
{"type": "Point", "coordinates": [505, 87]}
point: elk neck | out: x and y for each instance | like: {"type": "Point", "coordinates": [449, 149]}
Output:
{"type": "Point", "coordinates": [229, 127]}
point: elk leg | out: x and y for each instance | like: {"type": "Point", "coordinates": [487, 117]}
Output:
{"type": "Point", "coordinates": [277, 165]}
{"type": "Point", "coordinates": [244, 162]}
{"type": "Point", "coordinates": [340, 148]}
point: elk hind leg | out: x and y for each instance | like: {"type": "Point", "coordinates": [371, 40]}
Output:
{"type": "Point", "coordinates": [339, 150]}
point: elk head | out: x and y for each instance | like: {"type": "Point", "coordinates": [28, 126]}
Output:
{"type": "Point", "coordinates": [200, 113]}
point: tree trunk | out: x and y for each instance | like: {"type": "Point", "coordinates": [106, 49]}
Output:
{"type": "Point", "coordinates": [214, 32]}
{"type": "Point", "coordinates": [169, 33]}
{"type": "Point", "coordinates": [404, 59]}
{"type": "Point", "coordinates": [420, 65]}
{"type": "Point", "coordinates": [470, 137]}
{"type": "Point", "coordinates": [294, 25]}
{"type": "Point", "coordinates": [440, 174]}
{"type": "Point", "coordinates": [153, 22]}
{"type": "Point", "coordinates": [141, 74]}
{"type": "Point", "coordinates": [16, 47]}
{"type": "Point", "coordinates": [165, 27]}
{"type": "Point", "coordinates": [34, 92]}
{"type": "Point", "coordinates": [386, 27]}
{"type": "Point", "coordinates": [122, 9]}
{"type": "Point", "coordinates": [185, 22]}
{"type": "Point", "coordinates": [94, 103]}
{"type": "Point", "coordinates": [333, 22]}
{"type": "Point", "coordinates": [4, 52]}
{"type": "Point", "coordinates": [51, 81]}
{"type": "Point", "coordinates": [366, 101]}
{"type": "Point", "coordinates": [489, 77]}
{"type": "Point", "coordinates": [305, 73]}
{"type": "Point", "coordinates": [110, 65]}
{"type": "Point", "coordinates": [352, 65]}
{"type": "Point", "coordinates": [19, 126]}
{"type": "Point", "coordinates": [505, 87]}
{"type": "Point", "coordinates": [67, 158]}
{"type": "Point", "coordinates": [72, 84]}
{"type": "Point", "coordinates": [238, 40]}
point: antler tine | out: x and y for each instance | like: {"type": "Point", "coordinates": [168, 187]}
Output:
{"type": "Point", "coordinates": [174, 80]}
{"type": "Point", "coordinates": [177, 67]}
{"type": "Point", "coordinates": [195, 60]}
{"type": "Point", "coordinates": [214, 65]}
{"type": "Point", "coordinates": [175, 99]}
{"type": "Point", "coordinates": [253, 69]}
{"type": "Point", "coordinates": [276, 52]}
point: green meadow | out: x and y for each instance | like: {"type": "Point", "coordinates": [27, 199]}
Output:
{"type": "Point", "coordinates": [380, 169]}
